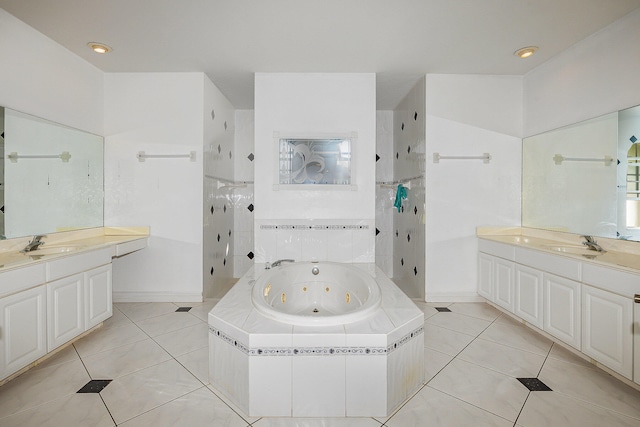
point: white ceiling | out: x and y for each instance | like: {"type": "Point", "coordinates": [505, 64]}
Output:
{"type": "Point", "coordinates": [400, 40]}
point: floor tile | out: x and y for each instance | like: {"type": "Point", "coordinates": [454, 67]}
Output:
{"type": "Point", "coordinates": [434, 361]}
{"type": "Point", "coordinates": [134, 394]}
{"type": "Point", "coordinates": [316, 422]}
{"type": "Point", "coordinates": [591, 385]}
{"type": "Point", "coordinates": [489, 390]}
{"type": "Point", "coordinates": [552, 409]}
{"type": "Point", "coordinates": [232, 405]}
{"type": "Point", "coordinates": [445, 340]}
{"type": "Point", "coordinates": [425, 308]}
{"type": "Point", "coordinates": [197, 362]}
{"type": "Point", "coordinates": [71, 410]}
{"type": "Point", "coordinates": [117, 319]}
{"type": "Point", "coordinates": [39, 386]}
{"type": "Point", "coordinates": [104, 339]}
{"type": "Point", "coordinates": [459, 323]}
{"type": "Point", "coordinates": [143, 310]}
{"type": "Point", "coordinates": [560, 353]}
{"type": "Point", "coordinates": [479, 310]}
{"type": "Point", "coordinates": [185, 340]}
{"type": "Point", "coordinates": [125, 359]}
{"type": "Point", "coordinates": [517, 336]}
{"type": "Point", "coordinates": [431, 407]}
{"type": "Point", "coordinates": [507, 360]}
{"type": "Point", "coordinates": [198, 408]}
{"type": "Point", "coordinates": [169, 322]}
{"type": "Point", "coordinates": [67, 354]}
{"type": "Point", "coordinates": [202, 310]}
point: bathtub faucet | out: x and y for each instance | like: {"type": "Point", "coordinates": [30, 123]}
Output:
{"type": "Point", "coordinates": [278, 262]}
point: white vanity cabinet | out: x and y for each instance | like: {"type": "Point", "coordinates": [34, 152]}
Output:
{"type": "Point", "coordinates": [607, 331]}
{"type": "Point", "coordinates": [65, 310]}
{"type": "Point", "coordinates": [98, 305]}
{"type": "Point", "coordinates": [586, 305]}
{"type": "Point", "coordinates": [528, 295]}
{"type": "Point", "coordinates": [23, 329]}
{"type": "Point", "coordinates": [562, 309]}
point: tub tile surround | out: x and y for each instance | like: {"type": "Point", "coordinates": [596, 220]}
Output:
{"type": "Point", "coordinates": [269, 368]}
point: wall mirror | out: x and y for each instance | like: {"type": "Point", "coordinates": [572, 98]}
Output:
{"type": "Point", "coordinates": [583, 178]}
{"type": "Point", "coordinates": [51, 176]}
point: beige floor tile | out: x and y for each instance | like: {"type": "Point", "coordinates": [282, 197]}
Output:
{"type": "Point", "coordinates": [143, 310]}
{"type": "Point", "coordinates": [84, 409]}
{"type": "Point", "coordinates": [591, 385]}
{"type": "Point", "coordinates": [431, 407]}
{"type": "Point", "coordinates": [517, 336]}
{"type": "Point", "coordinates": [104, 339]}
{"type": "Point", "coordinates": [316, 422]}
{"type": "Point", "coordinates": [125, 359]}
{"type": "Point", "coordinates": [434, 361]}
{"type": "Point", "coordinates": [64, 355]}
{"type": "Point", "coordinates": [489, 390]}
{"type": "Point", "coordinates": [479, 310]}
{"type": "Point", "coordinates": [459, 323]}
{"type": "Point", "coordinates": [198, 408]}
{"type": "Point", "coordinates": [445, 340]}
{"type": "Point", "coordinates": [197, 362]}
{"type": "Point", "coordinates": [560, 353]}
{"type": "Point", "coordinates": [39, 386]}
{"type": "Point", "coordinates": [232, 405]}
{"type": "Point", "coordinates": [118, 318]}
{"type": "Point", "coordinates": [507, 360]}
{"type": "Point", "coordinates": [185, 340]}
{"type": "Point", "coordinates": [553, 409]}
{"type": "Point", "coordinates": [165, 323]}
{"type": "Point", "coordinates": [136, 393]}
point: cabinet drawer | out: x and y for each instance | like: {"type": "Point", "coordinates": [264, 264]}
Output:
{"type": "Point", "coordinates": [612, 280]}
{"type": "Point", "coordinates": [67, 266]}
{"type": "Point", "coordinates": [555, 264]}
{"type": "Point", "coordinates": [12, 281]}
{"type": "Point", "coordinates": [497, 249]}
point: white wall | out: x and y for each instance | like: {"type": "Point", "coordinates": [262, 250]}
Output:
{"type": "Point", "coordinates": [159, 113]}
{"type": "Point", "coordinates": [596, 76]}
{"type": "Point", "coordinates": [315, 104]}
{"type": "Point", "coordinates": [40, 77]}
{"type": "Point", "coordinates": [385, 194]}
{"type": "Point", "coordinates": [464, 194]}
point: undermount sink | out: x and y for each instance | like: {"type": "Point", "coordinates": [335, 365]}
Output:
{"type": "Point", "coordinates": [54, 250]}
{"type": "Point", "coordinates": [573, 249]}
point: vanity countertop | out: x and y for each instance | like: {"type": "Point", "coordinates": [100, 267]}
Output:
{"type": "Point", "coordinates": [619, 254]}
{"type": "Point", "coordinates": [121, 240]}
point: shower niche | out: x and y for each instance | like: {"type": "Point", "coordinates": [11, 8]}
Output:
{"type": "Point", "coordinates": [323, 162]}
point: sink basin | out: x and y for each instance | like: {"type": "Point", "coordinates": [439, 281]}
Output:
{"type": "Point", "coordinates": [573, 249]}
{"type": "Point", "coordinates": [54, 250]}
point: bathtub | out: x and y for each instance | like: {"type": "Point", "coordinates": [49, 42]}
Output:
{"type": "Point", "coordinates": [344, 342]}
{"type": "Point", "coordinates": [324, 293]}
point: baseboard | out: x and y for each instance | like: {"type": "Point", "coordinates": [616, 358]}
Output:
{"type": "Point", "coordinates": [454, 297]}
{"type": "Point", "coordinates": [125, 296]}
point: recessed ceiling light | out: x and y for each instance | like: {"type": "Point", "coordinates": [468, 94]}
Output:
{"type": "Point", "coordinates": [99, 47]}
{"type": "Point", "coordinates": [526, 52]}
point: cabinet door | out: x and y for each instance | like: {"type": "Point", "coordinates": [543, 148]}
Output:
{"type": "Point", "coordinates": [528, 298]}
{"type": "Point", "coordinates": [23, 336]}
{"type": "Point", "coordinates": [607, 329]}
{"type": "Point", "coordinates": [485, 276]}
{"type": "Point", "coordinates": [65, 310]}
{"type": "Point", "coordinates": [562, 309]}
{"type": "Point", "coordinates": [636, 338]}
{"type": "Point", "coordinates": [503, 276]}
{"type": "Point", "coordinates": [97, 295]}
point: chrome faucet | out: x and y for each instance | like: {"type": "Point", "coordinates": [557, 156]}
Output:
{"type": "Point", "coordinates": [591, 243]}
{"type": "Point", "coordinates": [34, 244]}
{"type": "Point", "coordinates": [277, 263]}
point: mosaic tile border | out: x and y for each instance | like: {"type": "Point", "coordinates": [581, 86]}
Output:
{"type": "Point", "coordinates": [316, 351]}
{"type": "Point", "coordinates": [313, 227]}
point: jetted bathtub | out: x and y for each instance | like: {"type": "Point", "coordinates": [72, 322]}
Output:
{"type": "Point", "coordinates": [316, 340]}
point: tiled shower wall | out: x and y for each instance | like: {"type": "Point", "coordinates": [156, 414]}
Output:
{"type": "Point", "coordinates": [243, 253]}
{"type": "Point", "coordinates": [409, 169]}
{"type": "Point", "coordinates": [218, 215]}
{"type": "Point", "coordinates": [385, 191]}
